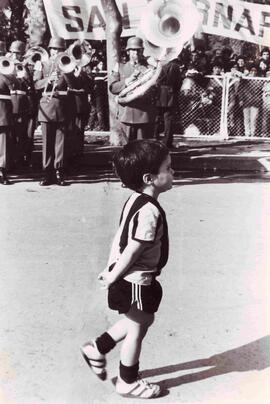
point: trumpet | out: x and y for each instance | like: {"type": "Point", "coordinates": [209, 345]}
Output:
{"type": "Point", "coordinates": [7, 66]}
{"type": "Point", "coordinates": [78, 51]}
{"type": "Point", "coordinates": [63, 63]}
{"type": "Point", "coordinates": [35, 54]}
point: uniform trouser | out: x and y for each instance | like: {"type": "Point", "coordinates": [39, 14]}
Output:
{"type": "Point", "coordinates": [31, 126]}
{"type": "Point", "coordinates": [78, 136]}
{"type": "Point", "coordinates": [165, 114]}
{"type": "Point", "coordinates": [135, 131]}
{"type": "Point", "coordinates": [53, 145]}
{"type": "Point", "coordinates": [5, 146]}
{"type": "Point", "coordinates": [20, 138]}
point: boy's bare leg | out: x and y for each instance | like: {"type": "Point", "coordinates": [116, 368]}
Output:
{"type": "Point", "coordinates": [137, 323]}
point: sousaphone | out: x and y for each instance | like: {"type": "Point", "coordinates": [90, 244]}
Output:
{"type": "Point", "coordinates": [166, 26]}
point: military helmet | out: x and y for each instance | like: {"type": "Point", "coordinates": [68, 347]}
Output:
{"type": "Point", "coordinates": [57, 43]}
{"type": "Point", "coordinates": [17, 46]}
{"type": "Point", "coordinates": [134, 43]}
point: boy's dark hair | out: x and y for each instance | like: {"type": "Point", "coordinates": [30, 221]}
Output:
{"type": "Point", "coordinates": [137, 158]}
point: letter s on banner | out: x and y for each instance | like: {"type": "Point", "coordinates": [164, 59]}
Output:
{"type": "Point", "coordinates": [78, 23]}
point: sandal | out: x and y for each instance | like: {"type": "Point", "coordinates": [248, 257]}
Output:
{"type": "Point", "coordinates": [138, 389]}
{"type": "Point", "coordinates": [94, 359]}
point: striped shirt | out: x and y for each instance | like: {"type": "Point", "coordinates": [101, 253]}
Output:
{"type": "Point", "coordinates": [144, 220]}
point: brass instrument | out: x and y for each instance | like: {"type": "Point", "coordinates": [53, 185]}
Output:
{"type": "Point", "coordinates": [62, 63]}
{"type": "Point", "coordinates": [79, 52]}
{"type": "Point", "coordinates": [35, 54]}
{"type": "Point", "coordinates": [165, 28]}
{"type": "Point", "coordinates": [7, 66]}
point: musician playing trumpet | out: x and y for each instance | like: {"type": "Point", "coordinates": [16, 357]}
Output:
{"type": "Point", "coordinates": [53, 113]}
{"type": "Point", "coordinates": [21, 91]}
{"type": "Point", "coordinates": [137, 119]}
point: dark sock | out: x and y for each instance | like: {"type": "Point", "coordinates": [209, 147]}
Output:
{"type": "Point", "coordinates": [129, 373]}
{"type": "Point", "coordinates": [105, 343]}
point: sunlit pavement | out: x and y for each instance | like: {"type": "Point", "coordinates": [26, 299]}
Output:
{"type": "Point", "coordinates": [210, 342]}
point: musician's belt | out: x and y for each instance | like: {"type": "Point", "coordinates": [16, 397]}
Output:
{"type": "Point", "coordinates": [56, 92]}
{"type": "Point", "coordinates": [5, 97]}
{"type": "Point", "coordinates": [76, 91]}
{"type": "Point", "coordinates": [18, 92]}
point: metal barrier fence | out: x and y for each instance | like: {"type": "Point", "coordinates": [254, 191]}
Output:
{"type": "Point", "coordinates": [227, 106]}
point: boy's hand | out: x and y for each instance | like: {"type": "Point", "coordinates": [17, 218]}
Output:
{"type": "Point", "coordinates": [106, 279]}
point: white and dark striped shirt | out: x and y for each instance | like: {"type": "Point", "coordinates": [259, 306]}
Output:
{"type": "Point", "coordinates": [144, 220]}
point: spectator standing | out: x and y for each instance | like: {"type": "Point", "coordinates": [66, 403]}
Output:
{"type": "Point", "coordinates": [241, 63]}
{"type": "Point", "coordinates": [265, 130]}
{"type": "Point", "coordinates": [249, 93]}
{"type": "Point", "coordinates": [138, 117]}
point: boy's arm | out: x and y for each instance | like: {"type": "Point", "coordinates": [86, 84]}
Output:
{"type": "Point", "coordinates": [130, 254]}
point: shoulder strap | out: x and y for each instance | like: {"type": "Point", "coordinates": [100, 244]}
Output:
{"type": "Point", "coordinates": [137, 205]}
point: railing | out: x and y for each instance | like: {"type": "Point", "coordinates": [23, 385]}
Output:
{"type": "Point", "coordinates": [228, 106]}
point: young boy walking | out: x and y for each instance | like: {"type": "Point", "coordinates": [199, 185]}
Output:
{"type": "Point", "coordinates": [139, 252]}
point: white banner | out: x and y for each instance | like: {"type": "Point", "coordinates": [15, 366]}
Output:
{"type": "Point", "coordinates": [84, 19]}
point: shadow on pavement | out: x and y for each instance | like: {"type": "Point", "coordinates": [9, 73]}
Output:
{"type": "Point", "coordinates": [252, 356]}
{"type": "Point", "coordinates": [86, 175]}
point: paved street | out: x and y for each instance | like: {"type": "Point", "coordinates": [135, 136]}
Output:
{"type": "Point", "coordinates": [210, 343]}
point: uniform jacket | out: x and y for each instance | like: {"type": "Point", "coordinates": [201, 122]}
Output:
{"type": "Point", "coordinates": [81, 87]}
{"type": "Point", "coordinates": [168, 85]}
{"type": "Point", "coordinates": [5, 104]}
{"type": "Point", "coordinates": [141, 110]}
{"type": "Point", "coordinates": [20, 89]}
{"type": "Point", "coordinates": [54, 109]}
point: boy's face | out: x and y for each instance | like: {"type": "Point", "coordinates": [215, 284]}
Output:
{"type": "Point", "coordinates": [163, 180]}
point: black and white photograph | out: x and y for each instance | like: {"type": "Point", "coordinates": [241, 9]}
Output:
{"type": "Point", "coordinates": [134, 201]}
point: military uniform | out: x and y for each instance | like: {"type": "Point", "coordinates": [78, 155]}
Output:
{"type": "Point", "coordinates": [53, 116]}
{"type": "Point", "coordinates": [79, 91]}
{"type": "Point", "coordinates": [138, 117]}
{"type": "Point", "coordinates": [21, 87]}
{"type": "Point", "coordinates": [168, 85]}
{"type": "Point", "coordinates": [5, 127]}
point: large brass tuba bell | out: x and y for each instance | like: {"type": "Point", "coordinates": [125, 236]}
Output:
{"type": "Point", "coordinates": [167, 25]}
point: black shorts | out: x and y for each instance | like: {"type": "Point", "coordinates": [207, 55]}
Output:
{"type": "Point", "coordinates": [122, 294]}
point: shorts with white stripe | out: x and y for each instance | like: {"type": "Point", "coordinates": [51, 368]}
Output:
{"type": "Point", "coordinates": [123, 294]}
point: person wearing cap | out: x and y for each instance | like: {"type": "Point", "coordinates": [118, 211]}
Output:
{"type": "Point", "coordinates": [138, 117]}
{"type": "Point", "coordinates": [53, 113]}
{"type": "Point", "coordinates": [17, 51]}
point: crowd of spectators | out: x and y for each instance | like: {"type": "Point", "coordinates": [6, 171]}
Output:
{"type": "Point", "coordinates": [194, 66]}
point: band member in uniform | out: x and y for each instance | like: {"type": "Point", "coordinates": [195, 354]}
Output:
{"type": "Point", "coordinates": [53, 113]}
{"type": "Point", "coordinates": [5, 121]}
{"type": "Point", "coordinates": [79, 89]}
{"type": "Point", "coordinates": [168, 86]}
{"type": "Point", "coordinates": [139, 116]}
{"type": "Point", "coordinates": [22, 87]}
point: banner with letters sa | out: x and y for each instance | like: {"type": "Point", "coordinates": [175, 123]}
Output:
{"type": "Point", "coordinates": [84, 19]}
